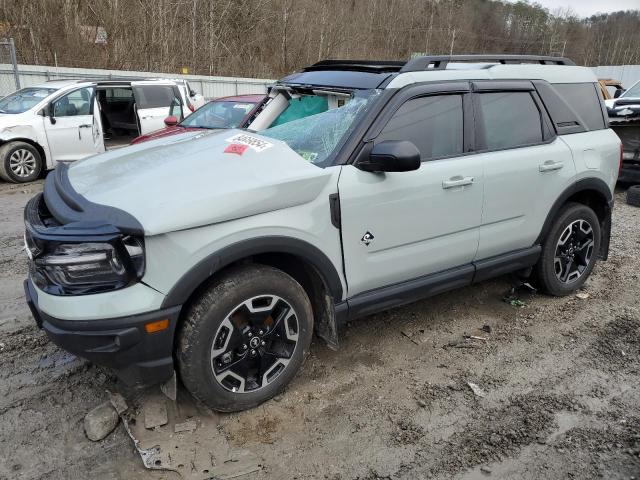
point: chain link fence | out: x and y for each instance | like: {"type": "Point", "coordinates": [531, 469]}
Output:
{"type": "Point", "coordinates": [9, 76]}
{"type": "Point", "coordinates": [14, 75]}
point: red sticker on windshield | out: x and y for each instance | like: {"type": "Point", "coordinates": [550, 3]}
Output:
{"type": "Point", "coordinates": [236, 148]}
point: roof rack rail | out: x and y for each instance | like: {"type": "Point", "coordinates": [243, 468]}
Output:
{"type": "Point", "coordinates": [439, 62]}
{"type": "Point", "coordinates": [358, 65]}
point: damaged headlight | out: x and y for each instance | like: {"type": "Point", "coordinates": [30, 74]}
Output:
{"type": "Point", "coordinates": [89, 267]}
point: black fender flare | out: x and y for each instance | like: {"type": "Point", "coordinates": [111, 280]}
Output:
{"type": "Point", "coordinates": [586, 184]}
{"type": "Point", "coordinates": [216, 261]}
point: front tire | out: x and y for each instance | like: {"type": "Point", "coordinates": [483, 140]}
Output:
{"type": "Point", "coordinates": [570, 250]}
{"type": "Point", "coordinates": [20, 162]}
{"type": "Point", "coordinates": [244, 338]}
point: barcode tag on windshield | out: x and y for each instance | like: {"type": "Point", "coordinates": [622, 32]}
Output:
{"type": "Point", "coordinates": [254, 143]}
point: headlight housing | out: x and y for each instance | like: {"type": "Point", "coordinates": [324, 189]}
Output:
{"type": "Point", "coordinates": [77, 268]}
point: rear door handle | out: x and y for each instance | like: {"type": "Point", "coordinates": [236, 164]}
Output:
{"type": "Point", "coordinates": [550, 165]}
{"type": "Point", "coordinates": [457, 181]}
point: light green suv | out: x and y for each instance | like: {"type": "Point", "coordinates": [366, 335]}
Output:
{"type": "Point", "coordinates": [358, 187]}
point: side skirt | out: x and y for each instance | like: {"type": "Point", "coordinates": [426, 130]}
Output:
{"type": "Point", "coordinates": [398, 294]}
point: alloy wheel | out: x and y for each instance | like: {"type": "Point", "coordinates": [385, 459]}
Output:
{"type": "Point", "coordinates": [254, 344]}
{"type": "Point", "coordinates": [574, 251]}
{"type": "Point", "coordinates": [22, 163]}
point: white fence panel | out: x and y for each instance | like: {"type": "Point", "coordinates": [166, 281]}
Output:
{"type": "Point", "coordinates": [210, 87]}
{"type": "Point", "coordinates": [627, 74]}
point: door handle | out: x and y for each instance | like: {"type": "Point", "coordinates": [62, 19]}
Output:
{"type": "Point", "coordinates": [550, 165]}
{"type": "Point", "coordinates": [457, 181]}
{"type": "Point", "coordinates": [86, 125]}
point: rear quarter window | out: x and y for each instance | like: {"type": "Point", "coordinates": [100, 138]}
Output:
{"type": "Point", "coordinates": [584, 99]}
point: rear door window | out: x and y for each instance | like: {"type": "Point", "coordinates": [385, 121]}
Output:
{"type": "Point", "coordinates": [433, 124]}
{"type": "Point", "coordinates": [511, 119]}
{"type": "Point", "coordinates": [154, 96]}
{"type": "Point", "coordinates": [585, 101]}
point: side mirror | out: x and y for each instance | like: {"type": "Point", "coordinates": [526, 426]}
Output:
{"type": "Point", "coordinates": [391, 156]}
{"type": "Point", "coordinates": [618, 92]}
{"type": "Point", "coordinates": [192, 93]}
{"type": "Point", "coordinates": [170, 121]}
{"type": "Point", "coordinates": [47, 111]}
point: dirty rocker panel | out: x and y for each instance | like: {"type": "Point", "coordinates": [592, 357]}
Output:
{"type": "Point", "coordinates": [402, 293]}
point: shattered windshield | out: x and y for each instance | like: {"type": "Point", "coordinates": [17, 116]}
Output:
{"type": "Point", "coordinates": [23, 100]}
{"type": "Point", "coordinates": [316, 136]}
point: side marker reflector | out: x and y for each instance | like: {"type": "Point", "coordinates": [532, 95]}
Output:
{"type": "Point", "coordinates": [157, 326]}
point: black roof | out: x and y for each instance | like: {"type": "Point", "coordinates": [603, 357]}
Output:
{"type": "Point", "coordinates": [366, 74]}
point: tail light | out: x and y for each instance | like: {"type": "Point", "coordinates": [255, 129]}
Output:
{"type": "Point", "coordinates": [621, 159]}
{"type": "Point", "coordinates": [191, 107]}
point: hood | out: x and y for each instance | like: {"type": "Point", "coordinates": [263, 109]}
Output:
{"type": "Point", "coordinates": [198, 178]}
{"type": "Point", "coordinates": [163, 132]}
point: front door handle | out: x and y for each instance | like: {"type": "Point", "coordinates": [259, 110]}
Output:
{"type": "Point", "coordinates": [457, 181]}
{"type": "Point", "coordinates": [550, 165]}
{"type": "Point", "coordinates": [86, 125]}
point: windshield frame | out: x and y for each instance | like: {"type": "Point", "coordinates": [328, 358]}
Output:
{"type": "Point", "coordinates": [53, 92]}
{"type": "Point", "coordinates": [346, 147]}
{"type": "Point", "coordinates": [625, 93]}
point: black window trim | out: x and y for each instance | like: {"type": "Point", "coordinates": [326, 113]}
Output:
{"type": "Point", "coordinates": [495, 86]}
{"type": "Point", "coordinates": [419, 90]}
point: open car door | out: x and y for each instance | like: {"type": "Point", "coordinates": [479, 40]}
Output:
{"type": "Point", "coordinates": [74, 129]}
{"type": "Point", "coordinates": [153, 101]}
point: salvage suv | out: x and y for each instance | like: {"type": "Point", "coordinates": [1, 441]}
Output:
{"type": "Point", "coordinates": [360, 186]}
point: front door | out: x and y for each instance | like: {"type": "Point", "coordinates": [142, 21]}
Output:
{"type": "Point", "coordinates": [73, 130]}
{"type": "Point", "coordinates": [402, 226]}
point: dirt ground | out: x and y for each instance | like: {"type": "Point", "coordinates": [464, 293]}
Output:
{"type": "Point", "coordinates": [561, 380]}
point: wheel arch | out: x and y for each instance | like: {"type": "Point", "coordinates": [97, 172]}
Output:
{"type": "Point", "coordinates": [593, 193]}
{"type": "Point", "coordinates": [33, 143]}
{"type": "Point", "coordinates": [307, 264]}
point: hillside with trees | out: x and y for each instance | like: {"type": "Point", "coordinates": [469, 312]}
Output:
{"type": "Point", "coordinates": [267, 38]}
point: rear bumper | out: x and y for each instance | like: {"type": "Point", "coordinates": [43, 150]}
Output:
{"type": "Point", "coordinates": [629, 173]}
{"type": "Point", "coordinates": [122, 344]}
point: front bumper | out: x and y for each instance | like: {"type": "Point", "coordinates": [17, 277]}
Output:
{"type": "Point", "coordinates": [122, 344]}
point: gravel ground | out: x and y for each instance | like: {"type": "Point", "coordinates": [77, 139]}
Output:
{"type": "Point", "coordinates": [559, 376]}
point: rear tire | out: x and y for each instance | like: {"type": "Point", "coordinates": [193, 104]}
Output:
{"type": "Point", "coordinates": [244, 338]}
{"type": "Point", "coordinates": [569, 251]}
{"type": "Point", "coordinates": [633, 195]}
{"type": "Point", "coordinates": [20, 162]}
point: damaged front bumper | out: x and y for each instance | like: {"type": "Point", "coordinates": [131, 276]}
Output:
{"type": "Point", "coordinates": [123, 344]}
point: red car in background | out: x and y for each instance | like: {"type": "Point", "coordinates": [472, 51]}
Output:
{"type": "Point", "coordinates": [224, 112]}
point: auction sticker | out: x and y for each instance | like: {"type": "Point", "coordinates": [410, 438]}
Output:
{"type": "Point", "coordinates": [236, 148]}
{"type": "Point", "coordinates": [252, 142]}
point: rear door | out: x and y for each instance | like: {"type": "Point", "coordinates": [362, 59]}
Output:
{"type": "Point", "coordinates": [526, 166]}
{"type": "Point", "coordinates": [406, 225]}
{"type": "Point", "coordinates": [73, 131]}
{"type": "Point", "coordinates": [153, 101]}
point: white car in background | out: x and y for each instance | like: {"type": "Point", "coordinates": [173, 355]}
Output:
{"type": "Point", "coordinates": [67, 120]}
